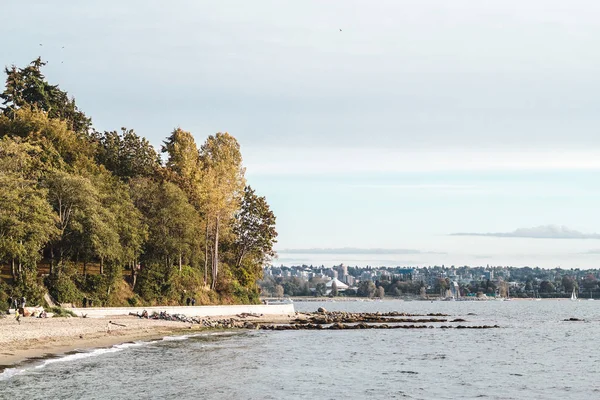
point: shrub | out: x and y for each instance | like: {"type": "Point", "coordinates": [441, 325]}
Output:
{"type": "Point", "coordinates": [60, 312]}
{"type": "Point", "coordinates": [63, 289]}
{"type": "Point", "coordinates": [28, 285]}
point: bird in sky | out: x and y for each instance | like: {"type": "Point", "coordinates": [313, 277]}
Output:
{"type": "Point", "coordinates": [340, 29]}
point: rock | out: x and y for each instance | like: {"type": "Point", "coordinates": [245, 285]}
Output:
{"type": "Point", "coordinates": [321, 310]}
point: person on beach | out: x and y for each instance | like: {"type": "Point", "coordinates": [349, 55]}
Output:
{"type": "Point", "coordinates": [193, 302]}
{"type": "Point", "coordinates": [18, 316]}
{"type": "Point", "coordinates": [85, 301]}
{"type": "Point", "coordinates": [188, 301]}
{"type": "Point", "coordinates": [23, 302]}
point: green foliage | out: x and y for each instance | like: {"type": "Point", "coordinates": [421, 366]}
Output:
{"type": "Point", "coordinates": [255, 234]}
{"type": "Point", "coordinates": [28, 87]}
{"type": "Point", "coordinates": [95, 206]}
{"type": "Point", "coordinates": [60, 312]}
{"type": "Point", "coordinates": [4, 297]}
{"type": "Point", "coordinates": [366, 289]}
{"type": "Point", "coordinates": [30, 286]}
{"type": "Point", "coordinates": [62, 287]}
{"type": "Point", "coordinates": [126, 155]}
{"type": "Point", "coordinates": [153, 283]}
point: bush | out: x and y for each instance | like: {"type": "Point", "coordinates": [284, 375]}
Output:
{"type": "Point", "coordinates": [151, 283]}
{"type": "Point", "coordinates": [63, 289]}
{"type": "Point", "coordinates": [28, 285]}
{"type": "Point", "coordinates": [3, 297]}
{"type": "Point", "coordinates": [60, 312]}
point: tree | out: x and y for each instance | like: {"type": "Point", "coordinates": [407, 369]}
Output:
{"type": "Point", "coordinates": [26, 218]}
{"type": "Point", "coordinates": [547, 287]}
{"type": "Point", "coordinates": [568, 283]}
{"type": "Point", "coordinates": [366, 289]}
{"type": "Point", "coordinates": [380, 292]}
{"type": "Point", "coordinates": [279, 291]}
{"type": "Point", "coordinates": [183, 162]}
{"type": "Point", "coordinates": [590, 282]}
{"type": "Point", "coordinates": [254, 236]}
{"type": "Point", "coordinates": [334, 289]}
{"type": "Point", "coordinates": [126, 155]}
{"type": "Point", "coordinates": [60, 147]}
{"type": "Point", "coordinates": [76, 202]}
{"type": "Point", "coordinates": [172, 221]}
{"type": "Point", "coordinates": [28, 87]}
{"type": "Point", "coordinates": [222, 186]}
{"type": "Point", "coordinates": [320, 289]}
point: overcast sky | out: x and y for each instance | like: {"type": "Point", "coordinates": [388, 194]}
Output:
{"type": "Point", "coordinates": [417, 120]}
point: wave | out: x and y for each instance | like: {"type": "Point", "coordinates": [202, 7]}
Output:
{"type": "Point", "coordinates": [78, 355]}
{"type": "Point", "coordinates": [10, 372]}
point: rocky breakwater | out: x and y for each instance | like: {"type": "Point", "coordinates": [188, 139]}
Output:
{"type": "Point", "coordinates": [323, 319]}
{"type": "Point", "coordinates": [239, 321]}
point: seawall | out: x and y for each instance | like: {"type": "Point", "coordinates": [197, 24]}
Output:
{"type": "Point", "coordinates": [190, 311]}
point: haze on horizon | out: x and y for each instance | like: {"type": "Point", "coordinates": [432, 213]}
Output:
{"type": "Point", "coordinates": [417, 121]}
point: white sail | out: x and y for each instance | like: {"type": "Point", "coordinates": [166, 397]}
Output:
{"type": "Point", "coordinates": [573, 295]}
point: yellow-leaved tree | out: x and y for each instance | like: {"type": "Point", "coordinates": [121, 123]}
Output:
{"type": "Point", "coordinates": [222, 187]}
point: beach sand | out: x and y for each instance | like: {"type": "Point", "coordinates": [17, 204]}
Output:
{"type": "Point", "coordinates": [39, 337]}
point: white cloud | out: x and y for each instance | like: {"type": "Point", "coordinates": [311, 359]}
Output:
{"type": "Point", "coordinates": [353, 250]}
{"type": "Point", "coordinates": [308, 161]}
{"type": "Point", "coordinates": [539, 232]}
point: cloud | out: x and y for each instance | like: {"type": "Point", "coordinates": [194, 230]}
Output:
{"type": "Point", "coordinates": [539, 232]}
{"type": "Point", "coordinates": [319, 161]}
{"type": "Point", "coordinates": [353, 250]}
{"type": "Point", "coordinates": [596, 251]}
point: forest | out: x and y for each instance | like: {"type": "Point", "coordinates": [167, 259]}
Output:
{"type": "Point", "coordinates": [104, 216]}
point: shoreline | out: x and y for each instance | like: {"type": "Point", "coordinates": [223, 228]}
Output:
{"type": "Point", "coordinates": [38, 338]}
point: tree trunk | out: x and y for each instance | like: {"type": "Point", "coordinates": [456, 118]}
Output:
{"type": "Point", "coordinates": [85, 269]}
{"type": "Point", "coordinates": [206, 255]}
{"type": "Point", "coordinates": [180, 262]}
{"type": "Point", "coordinates": [51, 260]}
{"type": "Point", "coordinates": [215, 256]}
{"type": "Point", "coordinates": [240, 258]}
{"type": "Point", "coordinates": [101, 265]}
{"type": "Point", "coordinates": [12, 269]}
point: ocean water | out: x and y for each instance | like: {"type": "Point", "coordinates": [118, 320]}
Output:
{"type": "Point", "coordinates": [534, 355]}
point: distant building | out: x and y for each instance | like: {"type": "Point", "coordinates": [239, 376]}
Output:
{"type": "Point", "coordinates": [341, 286]}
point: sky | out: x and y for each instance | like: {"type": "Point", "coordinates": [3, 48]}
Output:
{"type": "Point", "coordinates": [368, 125]}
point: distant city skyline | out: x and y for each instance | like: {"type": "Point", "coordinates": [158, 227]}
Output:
{"type": "Point", "coordinates": [418, 120]}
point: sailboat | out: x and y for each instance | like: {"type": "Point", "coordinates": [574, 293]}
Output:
{"type": "Point", "coordinates": [573, 295]}
{"type": "Point", "coordinates": [590, 296]}
{"type": "Point", "coordinates": [537, 297]}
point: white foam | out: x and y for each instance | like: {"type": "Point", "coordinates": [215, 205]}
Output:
{"type": "Point", "coordinates": [92, 353]}
{"type": "Point", "coordinates": [176, 338]}
{"type": "Point", "coordinates": [10, 372]}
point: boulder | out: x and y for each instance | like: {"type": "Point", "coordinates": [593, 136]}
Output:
{"type": "Point", "coordinates": [321, 310]}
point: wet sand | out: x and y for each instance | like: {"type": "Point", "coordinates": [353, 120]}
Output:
{"type": "Point", "coordinates": [39, 337]}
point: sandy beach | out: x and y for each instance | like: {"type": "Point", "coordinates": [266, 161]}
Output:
{"type": "Point", "coordinates": [39, 337]}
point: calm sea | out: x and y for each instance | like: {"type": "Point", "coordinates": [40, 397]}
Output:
{"type": "Point", "coordinates": [535, 355]}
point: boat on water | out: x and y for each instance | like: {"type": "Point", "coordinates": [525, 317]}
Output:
{"type": "Point", "coordinates": [573, 295]}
